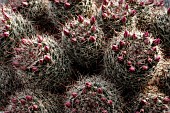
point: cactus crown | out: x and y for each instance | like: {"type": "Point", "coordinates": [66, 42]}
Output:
{"type": "Point", "coordinates": [93, 95]}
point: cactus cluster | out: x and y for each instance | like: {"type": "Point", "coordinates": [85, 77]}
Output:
{"type": "Point", "coordinates": [93, 95]}
{"type": "Point", "coordinates": [162, 27]}
{"type": "Point", "coordinates": [152, 103]}
{"type": "Point", "coordinates": [130, 59]}
{"type": "Point", "coordinates": [13, 28]}
{"type": "Point", "coordinates": [25, 102]}
{"type": "Point", "coordinates": [42, 57]}
{"type": "Point", "coordinates": [114, 16]}
{"type": "Point", "coordinates": [83, 42]}
{"type": "Point", "coordinates": [63, 11]}
{"type": "Point", "coordinates": [9, 81]}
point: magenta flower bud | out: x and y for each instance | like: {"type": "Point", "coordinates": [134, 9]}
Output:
{"type": "Point", "coordinates": [88, 84]}
{"type": "Point", "coordinates": [129, 63]}
{"type": "Point", "coordinates": [100, 90]}
{"type": "Point", "coordinates": [143, 102]}
{"type": "Point", "coordinates": [103, 8]}
{"type": "Point", "coordinates": [93, 29]}
{"type": "Point", "coordinates": [41, 61]}
{"type": "Point", "coordinates": [23, 102]}
{"type": "Point", "coordinates": [73, 40]}
{"type": "Point", "coordinates": [66, 32]}
{"type": "Point", "coordinates": [104, 111]}
{"type": "Point", "coordinates": [166, 100]}
{"type": "Point", "coordinates": [120, 58]}
{"type": "Point", "coordinates": [132, 69]}
{"type": "Point", "coordinates": [134, 36]}
{"type": "Point", "coordinates": [154, 48]}
{"type": "Point", "coordinates": [157, 41]}
{"type": "Point", "coordinates": [47, 58]}
{"type": "Point", "coordinates": [7, 27]}
{"type": "Point", "coordinates": [103, 99]}
{"type": "Point", "coordinates": [68, 104]}
{"type": "Point", "coordinates": [155, 99]}
{"type": "Point", "coordinates": [40, 38]}
{"type": "Point", "coordinates": [46, 48]}
{"type": "Point", "coordinates": [157, 58]}
{"type": "Point", "coordinates": [104, 15]}
{"type": "Point", "coordinates": [150, 60]}
{"type": "Point", "coordinates": [146, 41]}
{"type": "Point", "coordinates": [146, 34]}
{"type": "Point", "coordinates": [127, 7]}
{"type": "Point", "coordinates": [74, 94]}
{"type": "Point", "coordinates": [124, 19]}
{"type": "Point", "coordinates": [144, 68]}
{"type": "Point", "coordinates": [14, 100]}
{"type": "Point", "coordinates": [6, 34]}
{"type": "Point", "coordinates": [133, 12]}
{"type": "Point", "coordinates": [141, 3]}
{"type": "Point", "coordinates": [120, 1]}
{"type": "Point", "coordinates": [92, 20]}
{"type": "Point", "coordinates": [114, 17]}
{"type": "Point", "coordinates": [115, 48]}
{"type": "Point", "coordinates": [110, 102]}
{"type": "Point", "coordinates": [28, 98]}
{"type": "Point", "coordinates": [126, 34]}
{"type": "Point", "coordinates": [35, 107]}
{"type": "Point", "coordinates": [122, 43]}
{"type": "Point", "coordinates": [67, 5]}
{"type": "Point", "coordinates": [80, 19]}
{"type": "Point", "coordinates": [168, 11]}
{"type": "Point", "coordinates": [57, 1]}
{"type": "Point", "coordinates": [24, 41]}
{"type": "Point", "coordinates": [34, 69]}
{"type": "Point", "coordinates": [92, 38]}
{"type": "Point", "coordinates": [105, 2]}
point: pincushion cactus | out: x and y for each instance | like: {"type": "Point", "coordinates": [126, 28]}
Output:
{"type": "Point", "coordinates": [26, 102]}
{"type": "Point", "coordinates": [130, 59]}
{"type": "Point", "coordinates": [14, 27]}
{"type": "Point", "coordinates": [9, 81]}
{"type": "Point", "coordinates": [63, 11]}
{"type": "Point", "coordinates": [42, 56]}
{"type": "Point", "coordinates": [93, 95]}
{"type": "Point", "coordinates": [114, 16]}
{"type": "Point", "coordinates": [152, 103]}
{"type": "Point", "coordinates": [161, 29]}
{"type": "Point", "coordinates": [83, 42]}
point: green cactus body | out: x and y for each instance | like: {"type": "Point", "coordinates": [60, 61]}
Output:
{"type": "Point", "coordinates": [42, 57]}
{"type": "Point", "coordinates": [84, 43]}
{"type": "Point", "coordinates": [93, 95]}
{"type": "Point", "coordinates": [14, 27]}
{"type": "Point", "coordinates": [130, 59]}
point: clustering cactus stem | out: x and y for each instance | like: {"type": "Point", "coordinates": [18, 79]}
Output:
{"type": "Point", "coordinates": [93, 95]}
{"type": "Point", "coordinates": [130, 59]}
{"type": "Point", "coordinates": [84, 42]}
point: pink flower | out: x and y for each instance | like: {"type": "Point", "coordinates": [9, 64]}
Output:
{"type": "Point", "coordinates": [80, 19]}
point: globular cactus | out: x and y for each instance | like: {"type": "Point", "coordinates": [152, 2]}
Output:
{"type": "Point", "coordinates": [130, 58]}
{"type": "Point", "coordinates": [93, 95]}
{"type": "Point", "coordinates": [38, 12]}
{"type": "Point", "coordinates": [84, 42]}
{"type": "Point", "coordinates": [42, 57]}
{"type": "Point", "coordinates": [161, 29]}
{"type": "Point", "coordinates": [25, 102]}
{"type": "Point", "coordinates": [146, 15]}
{"type": "Point", "coordinates": [152, 103]}
{"type": "Point", "coordinates": [13, 28]}
{"type": "Point", "coordinates": [9, 82]}
{"type": "Point", "coordinates": [114, 16]}
{"type": "Point", "coordinates": [63, 11]}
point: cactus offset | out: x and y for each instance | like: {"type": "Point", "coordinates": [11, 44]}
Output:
{"type": "Point", "coordinates": [13, 29]}
{"type": "Point", "coordinates": [42, 56]}
{"type": "Point", "coordinates": [93, 95]}
{"type": "Point", "coordinates": [130, 59]}
{"type": "Point", "coordinates": [83, 42]}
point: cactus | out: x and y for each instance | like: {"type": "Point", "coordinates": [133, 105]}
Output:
{"type": "Point", "coordinates": [152, 103]}
{"type": "Point", "coordinates": [83, 42]}
{"type": "Point", "coordinates": [42, 57]}
{"type": "Point", "coordinates": [161, 29]}
{"type": "Point", "coordinates": [38, 12]}
{"type": "Point", "coordinates": [34, 101]}
{"type": "Point", "coordinates": [130, 59]}
{"type": "Point", "coordinates": [14, 27]}
{"type": "Point", "coordinates": [63, 11]}
{"type": "Point", "coordinates": [9, 82]}
{"type": "Point", "coordinates": [114, 16]}
{"type": "Point", "coordinates": [93, 95]}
